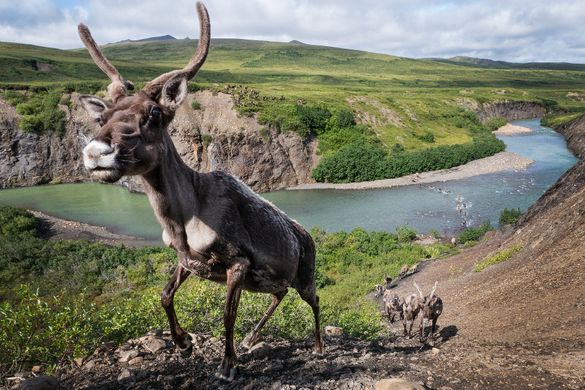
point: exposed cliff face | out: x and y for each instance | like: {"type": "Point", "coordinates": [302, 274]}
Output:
{"type": "Point", "coordinates": [509, 110]}
{"type": "Point", "coordinates": [215, 137]}
{"type": "Point", "coordinates": [211, 138]}
{"type": "Point", "coordinates": [29, 159]}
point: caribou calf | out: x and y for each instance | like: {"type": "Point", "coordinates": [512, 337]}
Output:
{"type": "Point", "coordinates": [431, 309]}
{"type": "Point", "coordinates": [393, 306]}
{"type": "Point", "coordinates": [410, 308]}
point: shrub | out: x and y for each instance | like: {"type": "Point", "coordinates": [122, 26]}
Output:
{"type": "Point", "coordinates": [41, 113]}
{"type": "Point", "coordinates": [499, 257]}
{"type": "Point", "coordinates": [16, 222]}
{"type": "Point", "coordinates": [495, 123]}
{"type": "Point", "coordinates": [341, 119]}
{"type": "Point", "coordinates": [426, 137]}
{"type": "Point", "coordinates": [206, 139]}
{"type": "Point", "coordinates": [365, 160]}
{"type": "Point", "coordinates": [397, 148]}
{"type": "Point", "coordinates": [508, 217]}
{"type": "Point", "coordinates": [304, 119]}
{"type": "Point", "coordinates": [358, 161]}
{"type": "Point", "coordinates": [405, 233]}
{"type": "Point", "coordinates": [474, 234]}
{"type": "Point", "coordinates": [14, 97]}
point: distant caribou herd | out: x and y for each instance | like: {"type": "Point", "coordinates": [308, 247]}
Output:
{"type": "Point", "coordinates": [408, 308]}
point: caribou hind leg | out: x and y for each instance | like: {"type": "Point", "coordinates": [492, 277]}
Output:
{"type": "Point", "coordinates": [254, 335]}
{"type": "Point", "coordinates": [235, 278]}
{"type": "Point", "coordinates": [312, 299]}
{"type": "Point", "coordinates": [180, 337]}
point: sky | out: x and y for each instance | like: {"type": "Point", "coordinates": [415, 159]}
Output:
{"type": "Point", "coordinates": [510, 30]}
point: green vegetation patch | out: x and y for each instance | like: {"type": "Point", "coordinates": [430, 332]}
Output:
{"type": "Point", "coordinates": [509, 216]}
{"type": "Point", "coordinates": [499, 257]}
{"type": "Point", "coordinates": [39, 110]}
{"type": "Point", "coordinates": [473, 234]}
{"type": "Point", "coordinates": [60, 299]}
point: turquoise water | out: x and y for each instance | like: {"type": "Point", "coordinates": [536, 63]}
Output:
{"type": "Point", "coordinates": [424, 207]}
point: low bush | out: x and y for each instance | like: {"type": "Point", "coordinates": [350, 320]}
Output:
{"type": "Point", "coordinates": [40, 113]}
{"type": "Point", "coordinates": [474, 234]}
{"type": "Point", "coordinates": [363, 161]}
{"type": "Point", "coordinates": [509, 217]}
{"type": "Point", "coordinates": [495, 123]}
{"type": "Point", "coordinates": [405, 233]}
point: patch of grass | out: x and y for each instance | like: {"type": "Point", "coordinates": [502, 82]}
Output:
{"type": "Point", "coordinates": [195, 105]}
{"type": "Point", "coordinates": [206, 139]}
{"type": "Point", "coordinates": [496, 258]}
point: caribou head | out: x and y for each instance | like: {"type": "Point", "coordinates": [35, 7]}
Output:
{"type": "Point", "coordinates": [133, 127]}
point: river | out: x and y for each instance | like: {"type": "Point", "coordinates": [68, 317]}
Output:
{"type": "Point", "coordinates": [424, 207]}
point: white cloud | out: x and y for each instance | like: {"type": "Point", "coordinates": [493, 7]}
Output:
{"type": "Point", "coordinates": [516, 30]}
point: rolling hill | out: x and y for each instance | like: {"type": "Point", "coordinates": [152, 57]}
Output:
{"type": "Point", "coordinates": [402, 99]}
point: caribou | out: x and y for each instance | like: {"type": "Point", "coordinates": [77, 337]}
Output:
{"type": "Point", "coordinates": [220, 229]}
{"type": "Point", "coordinates": [431, 308]}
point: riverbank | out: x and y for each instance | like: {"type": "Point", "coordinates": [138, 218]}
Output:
{"type": "Point", "coordinates": [62, 229]}
{"type": "Point", "coordinates": [503, 161]}
{"type": "Point", "coordinates": [510, 129]}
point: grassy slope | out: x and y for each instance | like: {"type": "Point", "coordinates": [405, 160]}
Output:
{"type": "Point", "coordinates": [423, 94]}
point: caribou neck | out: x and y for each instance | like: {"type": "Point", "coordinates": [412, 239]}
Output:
{"type": "Point", "coordinates": [171, 186]}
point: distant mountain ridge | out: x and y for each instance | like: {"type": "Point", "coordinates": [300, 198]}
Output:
{"type": "Point", "coordinates": [150, 39]}
{"type": "Point", "coordinates": [487, 63]}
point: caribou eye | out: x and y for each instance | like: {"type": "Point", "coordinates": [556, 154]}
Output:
{"type": "Point", "coordinates": [155, 113]}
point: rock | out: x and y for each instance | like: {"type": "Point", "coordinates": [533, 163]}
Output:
{"type": "Point", "coordinates": [259, 350]}
{"type": "Point", "coordinates": [89, 365]}
{"type": "Point", "coordinates": [36, 369]}
{"type": "Point", "coordinates": [156, 332]}
{"type": "Point", "coordinates": [126, 377]}
{"type": "Point", "coordinates": [78, 361]}
{"type": "Point", "coordinates": [435, 351]}
{"type": "Point", "coordinates": [128, 355]}
{"type": "Point", "coordinates": [154, 344]}
{"type": "Point", "coordinates": [41, 382]}
{"type": "Point", "coordinates": [333, 330]}
{"type": "Point", "coordinates": [397, 384]}
{"type": "Point", "coordinates": [136, 361]}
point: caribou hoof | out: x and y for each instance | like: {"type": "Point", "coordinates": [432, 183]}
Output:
{"type": "Point", "coordinates": [186, 352]}
{"type": "Point", "coordinates": [249, 341]}
{"type": "Point", "coordinates": [226, 373]}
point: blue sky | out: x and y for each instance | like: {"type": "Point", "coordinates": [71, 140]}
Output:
{"type": "Point", "coordinates": [513, 30]}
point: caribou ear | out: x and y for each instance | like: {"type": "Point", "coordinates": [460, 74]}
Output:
{"type": "Point", "coordinates": [173, 93]}
{"type": "Point", "coordinates": [94, 106]}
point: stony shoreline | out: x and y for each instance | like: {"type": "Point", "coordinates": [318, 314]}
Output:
{"type": "Point", "coordinates": [503, 161]}
{"type": "Point", "coordinates": [510, 129]}
{"type": "Point", "coordinates": [55, 228]}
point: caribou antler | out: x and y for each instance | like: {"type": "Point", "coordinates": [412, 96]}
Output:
{"type": "Point", "coordinates": [119, 87]}
{"type": "Point", "coordinates": [154, 87]}
{"type": "Point", "coordinates": [419, 292]}
{"type": "Point", "coordinates": [433, 292]}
